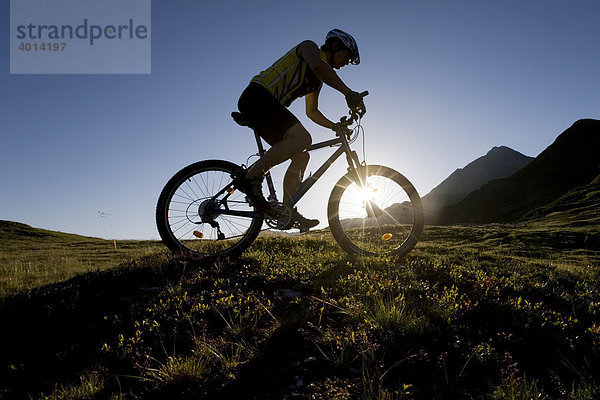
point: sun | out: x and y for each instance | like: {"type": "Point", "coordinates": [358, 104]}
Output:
{"type": "Point", "coordinates": [369, 198]}
{"type": "Point", "coordinates": [366, 193]}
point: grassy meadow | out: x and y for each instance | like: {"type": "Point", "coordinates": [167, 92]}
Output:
{"type": "Point", "coordinates": [31, 257]}
{"type": "Point", "coordinates": [484, 312]}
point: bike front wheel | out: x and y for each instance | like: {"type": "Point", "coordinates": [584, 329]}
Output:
{"type": "Point", "coordinates": [200, 214]}
{"type": "Point", "coordinates": [383, 215]}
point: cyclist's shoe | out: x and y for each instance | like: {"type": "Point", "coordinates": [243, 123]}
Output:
{"type": "Point", "coordinates": [301, 222]}
{"type": "Point", "coordinates": [253, 189]}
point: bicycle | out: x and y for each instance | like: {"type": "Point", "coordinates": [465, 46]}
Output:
{"type": "Point", "coordinates": [372, 210]}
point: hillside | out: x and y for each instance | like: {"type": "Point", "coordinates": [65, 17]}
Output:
{"type": "Point", "coordinates": [573, 160]}
{"type": "Point", "coordinates": [579, 207]}
{"type": "Point", "coordinates": [488, 312]}
{"type": "Point", "coordinates": [15, 231]}
{"type": "Point", "coordinates": [31, 257]}
{"type": "Point", "coordinates": [499, 162]}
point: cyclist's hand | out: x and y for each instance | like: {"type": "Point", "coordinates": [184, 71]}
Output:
{"type": "Point", "coordinates": [355, 102]}
{"type": "Point", "coordinates": [342, 129]}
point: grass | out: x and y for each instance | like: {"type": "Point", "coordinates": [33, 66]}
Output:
{"type": "Point", "coordinates": [31, 257]}
{"type": "Point", "coordinates": [489, 312]}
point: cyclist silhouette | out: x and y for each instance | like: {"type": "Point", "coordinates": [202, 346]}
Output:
{"type": "Point", "coordinates": [301, 72]}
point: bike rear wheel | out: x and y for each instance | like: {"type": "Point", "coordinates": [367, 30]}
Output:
{"type": "Point", "coordinates": [189, 218]}
{"type": "Point", "coordinates": [384, 216]}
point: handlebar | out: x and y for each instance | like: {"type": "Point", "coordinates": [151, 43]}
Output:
{"type": "Point", "coordinates": [354, 116]}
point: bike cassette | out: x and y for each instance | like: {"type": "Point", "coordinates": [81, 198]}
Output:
{"type": "Point", "coordinates": [285, 217]}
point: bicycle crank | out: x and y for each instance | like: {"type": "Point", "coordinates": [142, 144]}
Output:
{"type": "Point", "coordinates": [284, 219]}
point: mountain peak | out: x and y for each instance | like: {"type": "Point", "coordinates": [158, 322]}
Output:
{"type": "Point", "coordinates": [499, 162]}
{"type": "Point", "coordinates": [501, 149]}
{"type": "Point", "coordinates": [586, 122]}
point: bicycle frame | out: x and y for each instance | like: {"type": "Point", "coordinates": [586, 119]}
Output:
{"type": "Point", "coordinates": [351, 157]}
{"type": "Point", "coordinates": [341, 140]}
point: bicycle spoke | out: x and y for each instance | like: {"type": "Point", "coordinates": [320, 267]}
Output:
{"type": "Point", "coordinates": [190, 218]}
{"type": "Point", "coordinates": [391, 230]}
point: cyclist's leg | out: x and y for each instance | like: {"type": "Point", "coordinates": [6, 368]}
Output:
{"type": "Point", "coordinates": [291, 183]}
{"type": "Point", "coordinates": [294, 174]}
{"type": "Point", "coordinates": [295, 140]}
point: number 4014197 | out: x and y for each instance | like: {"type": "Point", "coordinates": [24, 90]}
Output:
{"type": "Point", "coordinates": [25, 46]}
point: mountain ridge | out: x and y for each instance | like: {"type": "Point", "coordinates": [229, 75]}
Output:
{"type": "Point", "coordinates": [572, 160]}
{"type": "Point", "coordinates": [499, 162]}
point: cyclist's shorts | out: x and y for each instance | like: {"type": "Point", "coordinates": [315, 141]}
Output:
{"type": "Point", "coordinates": [270, 119]}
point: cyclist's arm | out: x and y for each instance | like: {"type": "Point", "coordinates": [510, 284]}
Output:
{"type": "Point", "coordinates": [312, 110]}
{"type": "Point", "coordinates": [309, 51]}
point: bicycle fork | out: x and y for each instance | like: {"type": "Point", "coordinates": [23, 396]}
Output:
{"type": "Point", "coordinates": [359, 172]}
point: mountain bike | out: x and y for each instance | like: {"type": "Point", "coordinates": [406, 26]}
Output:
{"type": "Point", "coordinates": [372, 210]}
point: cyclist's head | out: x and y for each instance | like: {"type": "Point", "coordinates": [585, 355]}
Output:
{"type": "Point", "coordinates": [338, 40]}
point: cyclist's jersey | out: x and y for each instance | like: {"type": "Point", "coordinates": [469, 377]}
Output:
{"type": "Point", "coordinates": [290, 77]}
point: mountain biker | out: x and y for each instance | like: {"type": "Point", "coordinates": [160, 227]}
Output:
{"type": "Point", "coordinates": [301, 72]}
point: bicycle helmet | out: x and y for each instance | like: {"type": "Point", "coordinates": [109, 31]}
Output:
{"type": "Point", "coordinates": [347, 41]}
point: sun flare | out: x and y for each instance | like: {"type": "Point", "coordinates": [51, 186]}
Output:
{"type": "Point", "coordinates": [367, 193]}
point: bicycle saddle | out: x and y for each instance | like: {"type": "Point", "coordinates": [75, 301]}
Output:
{"type": "Point", "coordinates": [241, 119]}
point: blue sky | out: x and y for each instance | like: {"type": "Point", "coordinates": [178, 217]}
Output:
{"type": "Point", "coordinates": [448, 80]}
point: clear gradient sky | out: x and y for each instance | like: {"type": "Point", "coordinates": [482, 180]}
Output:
{"type": "Point", "coordinates": [448, 80]}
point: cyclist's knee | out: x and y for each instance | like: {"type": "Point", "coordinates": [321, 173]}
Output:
{"type": "Point", "coordinates": [300, 136]}
{"type": "Point", "coordinates": [300, 159]}
{"type": "Point", "coordinates": [306, 142]}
